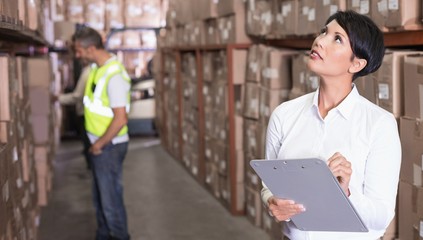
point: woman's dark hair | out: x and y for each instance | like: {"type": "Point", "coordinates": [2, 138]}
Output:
{"type": "Point", "coordinates": [366, 39]}
{"type": "Point", "coordinates": [88, 37]}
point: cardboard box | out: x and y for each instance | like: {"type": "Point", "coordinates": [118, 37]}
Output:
{"type": "Point", "coordinates": [5, 95]}
{"type": "Point", "coordinates": [39, 72]}
{"type": "Point", "coordinates": [41, 128]}
{"type": "Point", "coordinates": [39, 98]}
{"type": "Point", "coordinates": [304, 81]}
{"type": "Point", "coordinates": [410, 211]}
{"type": "Point", "coordinates": [239, 98]}
{"type": "Point", "coordinates": [208, 9]}
{"type": "Point", "coordinates": [269, 100]}
{"type": "Point", "coordinates": [239, 62]}
{"type": "Point", "coordinates": [212, 179]}
{"type": "Point", "coordinates": [253, 139]}
{"type": "Point", "coordinates": [259, 17]}
{"type": "Point", "coordinates": [366, 86]}
{"type": "Point", "coordinates": [404, 14]}
{"type": "Point", "coordinates": [145, 13]}
{"type": "Point", "coordinates": [413, 86]}
{"type": "Point", "coordinates": [307, 18]}
{"type": "Point", "coordinates": [360, 6]}
{"type": "Point", "coordinates": [390, 81]}
{"type": "Point", "coordinates": [251, 179]}
{"type": "Point", "coordinates": [208, 66]}
{"type": "Point", "coordinates": [4, 132]}
{"type": "Point", "coordinates": [228, 7]}
{"type": "Point", "coordinates": [286, 18]}
{"type": "Point", "coordinates": [75, 11]}
{"type": "Point", "coordinates": [211, 32]}
{"type": "Point", "coordinates": [276, 68]}
{"type": "Point", "coordinates": [379, 13]}
{"type": "Point", "coordinates": [254, 56]}
{"type": "Point", "coordinates": [411, 133]}
{"type": "Point", "coordinates": [231, 29]}
{"type": "Point", "coordinates": [57, 10]}
{"type": "Point", "coordinates": [251, 100]}
{"type": "Point", "coordinates": [253, 206]}
{"type": "Point", "coordinates": [239, 135]}
{"type": "Point", "coordinates": [114, 14]}
{"type": "Point", "coordinates": [327, 8]}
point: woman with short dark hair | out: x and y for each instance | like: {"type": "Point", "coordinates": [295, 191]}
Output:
{"type": "Point", "coordinates": [358, 139]}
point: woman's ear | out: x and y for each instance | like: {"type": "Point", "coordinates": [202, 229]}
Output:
{"type": "Point", "coordinates": [357, 65]}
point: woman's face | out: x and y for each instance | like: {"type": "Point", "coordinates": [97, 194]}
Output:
{"type": "Point", "coordinates": [331, 54]}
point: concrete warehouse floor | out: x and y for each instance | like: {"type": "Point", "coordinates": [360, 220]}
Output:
{"type": "Point", "coordinates": [163, 201]}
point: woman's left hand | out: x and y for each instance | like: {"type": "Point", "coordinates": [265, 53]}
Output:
{"type": "Point", "coordinates": [341, 169]}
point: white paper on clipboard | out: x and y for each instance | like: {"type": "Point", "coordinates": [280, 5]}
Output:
{"type": "Point", "coordinates": [311, 183]}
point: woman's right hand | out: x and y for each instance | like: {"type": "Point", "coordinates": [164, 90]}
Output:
{"type": "Point", "coordinates": [283, 209]}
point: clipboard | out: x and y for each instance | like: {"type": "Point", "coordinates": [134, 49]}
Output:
{"type": "Point", "coordinates": [311, 183]}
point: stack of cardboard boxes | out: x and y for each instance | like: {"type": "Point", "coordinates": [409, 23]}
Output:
{"type": "Point", "coordinates": [27, 146]}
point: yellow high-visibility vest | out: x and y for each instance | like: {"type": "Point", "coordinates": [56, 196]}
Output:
{"type": "Point", "coordinates": [97, 110]}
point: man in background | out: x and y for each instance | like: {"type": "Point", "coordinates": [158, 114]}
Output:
{"type": "Point", "coordinates": [106, 103]}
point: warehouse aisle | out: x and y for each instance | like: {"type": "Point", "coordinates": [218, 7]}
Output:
{"type": "Point", "coordinates": [163, 201]}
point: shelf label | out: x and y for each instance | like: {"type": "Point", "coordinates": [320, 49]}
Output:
{"type": "Point", "coordinates": [393, 5]}
{"type": "Point", "coordinates": [383, 91]}
{"type": "Point", "coordinates": [365, 7]}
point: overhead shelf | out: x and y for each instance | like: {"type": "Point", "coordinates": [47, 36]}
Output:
{"type": "Point", "coordinates": [392, 39]}
{"type": "Point", "coordinates": [20, 34]}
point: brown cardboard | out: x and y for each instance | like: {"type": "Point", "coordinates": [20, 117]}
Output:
{"type": "Point", "coordinates": [114, 14]}
{"type": "Point", "coordinates": [144, 13]}
{"type": "Point", "coordinates": [286, 18]}
{"type": "Point", "coordinates": [251, 100]}
{"type": "Point", "coordinates": [239, 62]}
{"type": "Point", "coordinates": [39, 101]}
{"type": "Point", "coordinates": [390, 81]}
{"type": "Point", "coordinates": [239, 98]}
{"type": "Point", "coordinates": [251, 179]}
{"type": "Point", "coordinates": [63, 31]}
{"type": "Point", "coordinates": [254, 56]}
{"type": "Point", "coordinates": [326, 8]}
{"type": "Point", "coordinates": [410, 211]}
{"type": "Point", "coordinates": [404, 14]}
{"type": "Point", "coordinates": [211, 179]}
{"type": "Point", "coordinates": [269, 100]}
{"type": "Point", "coordinates": [379, 12]}
{"type": "Point", "coordinates": [229, 7]}
{"type": "Point", "coordinates": [360, 6]}
{"type": "Point", "coordinates": [232, 29]}
{"type": "Point", "coordinates": [299, 73]}
{"type": "Point", "coordinates": [4, 132]}
{"type": "Point", "coordinates": [211, 32]}
{"type": "Point", "coordinates": [259, 17]}
{"type": "Point", "coordinates": [411, 133]}
{"type": "Point", "coordinates": [252, 138]}
{"type": "Point", "coordinates": [366, 86]}
{"type": "Point", "coordinates": [239, 133]}
{"type": "Point", "coordinates": [5, 95]}
{"type": "Point", "coordinates": [307, 18]}
{"type": "Point", "coordinates": [41, 128]}
{"type": "Point", "coordinates": [253, 206]}
{"type": "Point", "coordinates": [276, 69]}
{"type": "Point", "coordinates": [39, 72]}
{"type": "Point", "coordinates": [208, 9]}
{"type": "Point", "coordinates": [208, 66]}
{"type": "Point", "coordinates": [413, 86]}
